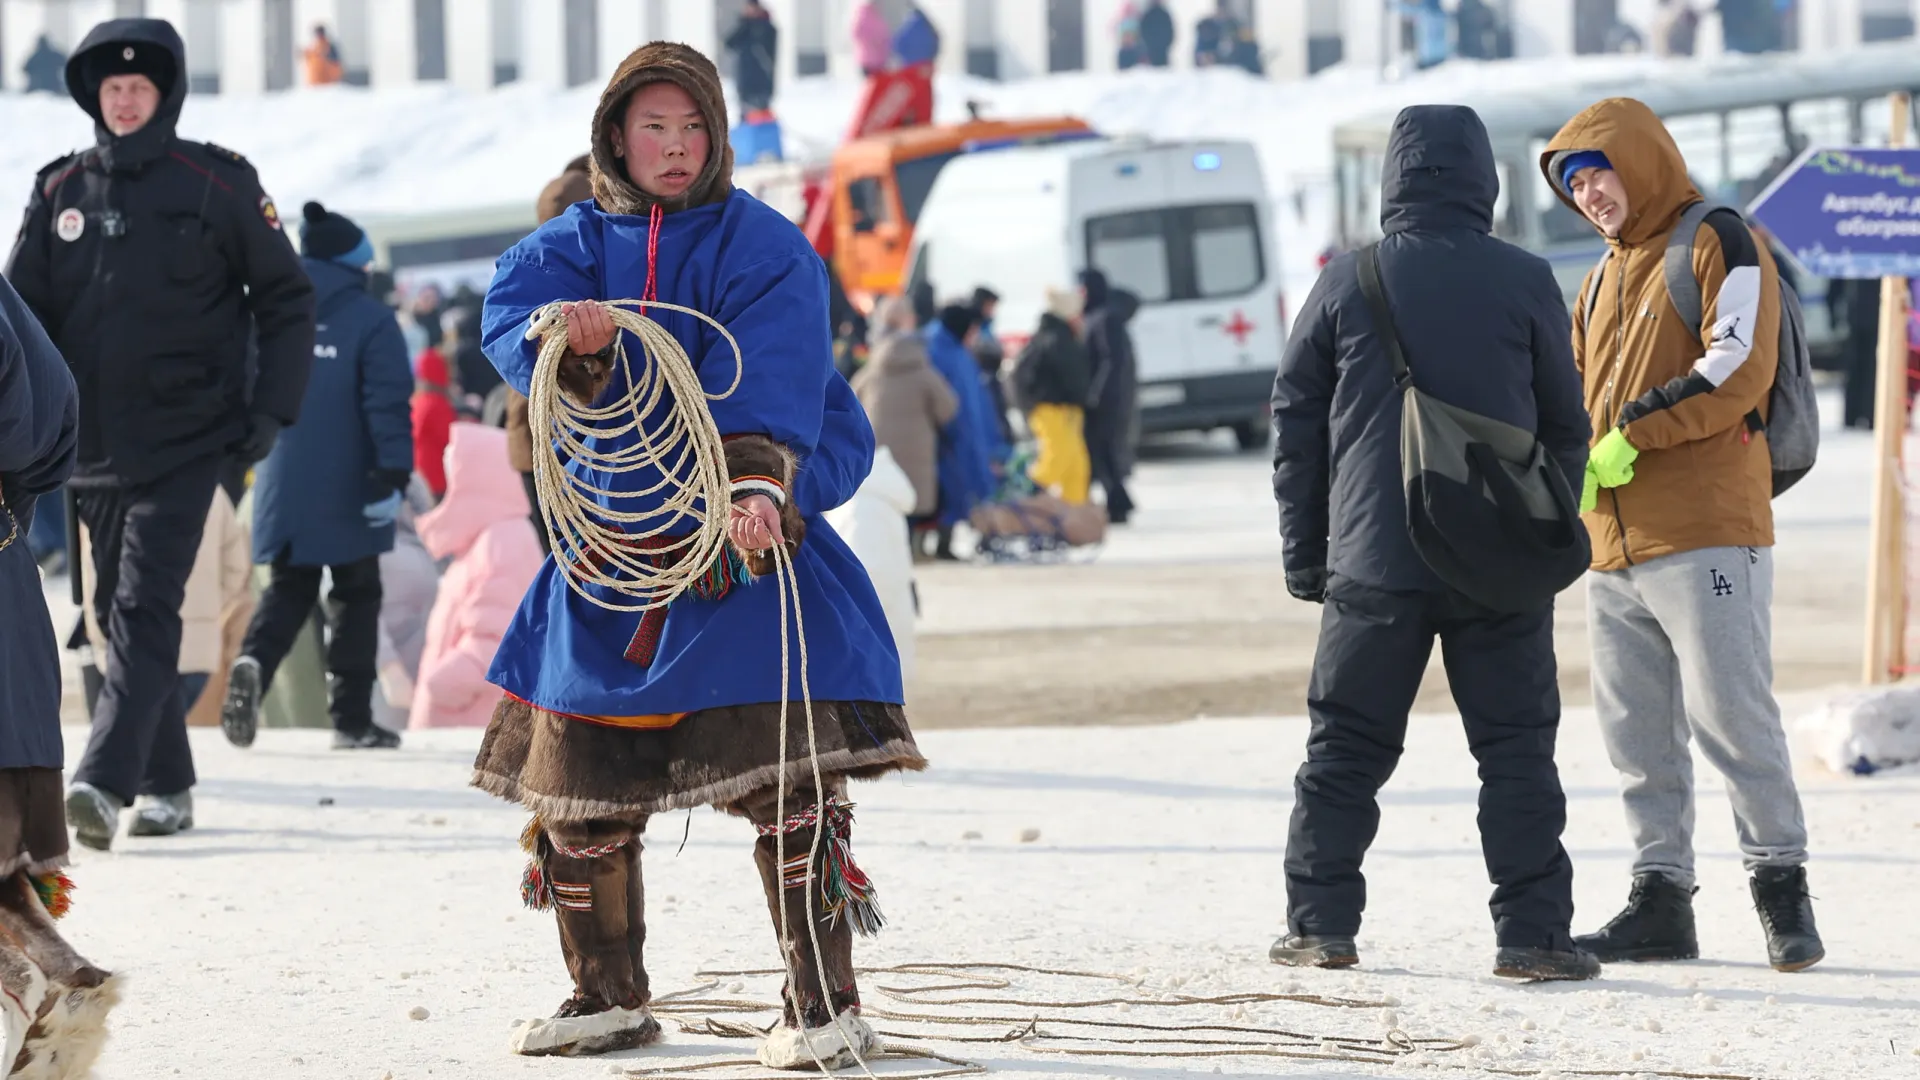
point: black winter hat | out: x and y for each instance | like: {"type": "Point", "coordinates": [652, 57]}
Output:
{"type": "Point", "coordinates": [327, 235]}
{"type": "Point", "coordinates": [111, 58]}
{"type": "Point", "coordinates": [959, 318]}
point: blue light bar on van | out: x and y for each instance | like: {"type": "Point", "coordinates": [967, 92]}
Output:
{"type": "Point", "coordinates": [1206, 161]}
{"type": "Point", "coordinates": [1128, 168]}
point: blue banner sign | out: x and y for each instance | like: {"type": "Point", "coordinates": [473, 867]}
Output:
{"type": "Point", "coordinates": [1847, 213]}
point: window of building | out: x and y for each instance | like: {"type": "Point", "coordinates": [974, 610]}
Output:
{"type": "Point", "coordinates": [278, 32]}
{"type": "Point", "coordinates": [810, 37]}
{"type": "Point", "coordinates": [583, 41]}
{"type": "Point", "coordinates": [203, 46]}
{"type": "Point", "coordinates": [982, 38]}
{"type": "Point", "coordinates": [430, 40]}
{"type": "Point", "coordinates": [1066, 35]}
{"type": "Point", "coordinates": [506, 41]}
{"type": "Point", "coordinates": [354, 37]}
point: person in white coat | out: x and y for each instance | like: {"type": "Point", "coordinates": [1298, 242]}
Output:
{"type": "Point", "coordinates": [874, 525]}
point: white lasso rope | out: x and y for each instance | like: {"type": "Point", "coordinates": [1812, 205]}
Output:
{"type": "Point", "coordinates": [589, 544]}
{"type": "Point", "coordinates": [598, 552]}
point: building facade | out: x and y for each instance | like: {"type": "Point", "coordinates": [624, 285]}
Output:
{"type": "Point", "coordinates": [254, 46]}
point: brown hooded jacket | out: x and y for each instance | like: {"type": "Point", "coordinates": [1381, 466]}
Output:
{"type": "Point", "coordinates": [661, 61]}
{"type": "Point", "coordinates": [1691, 405]}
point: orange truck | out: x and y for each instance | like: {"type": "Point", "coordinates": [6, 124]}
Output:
{"type": "Point", "coordinates": [861, 213]}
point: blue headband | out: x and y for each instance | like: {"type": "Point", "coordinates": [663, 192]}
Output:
{"type": "Point", "coordinates": [1584, 159]}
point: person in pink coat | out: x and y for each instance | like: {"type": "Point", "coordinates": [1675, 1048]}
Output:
{"type": "Point", "coordinates": [872, 38]}
{"type": "Point", "coordinates": [482, 525]}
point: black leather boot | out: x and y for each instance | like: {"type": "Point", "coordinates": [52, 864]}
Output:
{"type": "Point", "coordinates": [1786, 913]}
{"type": "Point", "coordinates": [1657, 924]}
{"type": "Point", "coordinates": [1311, 950]}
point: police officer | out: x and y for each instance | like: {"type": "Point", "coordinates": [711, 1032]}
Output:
{"type": "Point", "coordinates": [155, 264]}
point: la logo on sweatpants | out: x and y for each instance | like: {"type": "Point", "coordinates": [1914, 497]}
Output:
{"type": "Point", "coordinates": [1721, 586]}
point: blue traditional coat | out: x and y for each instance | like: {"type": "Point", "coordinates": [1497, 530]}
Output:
{"type": "Point", "coordinates": [748, 267]}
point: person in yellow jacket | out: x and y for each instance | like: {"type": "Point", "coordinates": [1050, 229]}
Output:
{"type": "Point", "coordinates": [1053, 377]}
{"type": "Point", "coordinates": [1678, 500]}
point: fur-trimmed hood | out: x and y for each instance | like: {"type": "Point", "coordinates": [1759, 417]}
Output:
{"type": "Point", "coordinates": [661, 61]}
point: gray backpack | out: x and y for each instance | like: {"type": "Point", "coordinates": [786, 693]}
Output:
{"type": "Point", "coordinates": [1792, 425]}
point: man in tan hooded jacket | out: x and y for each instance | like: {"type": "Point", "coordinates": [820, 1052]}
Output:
{"type": "Point", "coordinates": [1678, 501]}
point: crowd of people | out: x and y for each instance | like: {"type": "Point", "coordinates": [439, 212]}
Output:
{"type": "Point", "coordinates": [215, 403]}
{"type": "Point", "coordinates": [942, 394]}
{"type": "Point", "coordinates": [1221, 38]}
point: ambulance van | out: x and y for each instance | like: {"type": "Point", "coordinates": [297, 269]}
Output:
{"type": "Point", "coordinates": [1185, 226]}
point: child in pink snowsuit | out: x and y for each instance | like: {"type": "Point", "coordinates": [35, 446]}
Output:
{"type": "Point", "coordinates": [482, 524]}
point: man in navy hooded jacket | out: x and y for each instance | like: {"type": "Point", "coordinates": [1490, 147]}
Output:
{"type": "Point", "coordinates": [1484, 328]}
{"type": "Point", "coordinates": [328, 495]}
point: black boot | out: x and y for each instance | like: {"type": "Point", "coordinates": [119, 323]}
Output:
{"type": "Point", "coordinates": [1311, 950]}
{"type": "Point", "coordinates": [1786, 912]}
{"type": "Point", "coordinates": [1545, 965]}
{"type": "Point", "coordinates": [1657, 924]}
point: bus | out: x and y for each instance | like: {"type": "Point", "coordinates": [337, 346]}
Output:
{"type": "Point", "coordinates": [1739, 121]}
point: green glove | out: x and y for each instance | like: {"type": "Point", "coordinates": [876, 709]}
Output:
{"type": "Point", "coordinates": [1590, 491]}
{"type": "Point", "coordinates": [1611, 461]}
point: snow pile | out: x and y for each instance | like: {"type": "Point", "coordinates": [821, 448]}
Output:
{"type": "Point", "coordinates": [1868, 731]}
{"type": "Point", "coordinates": [437, 148]}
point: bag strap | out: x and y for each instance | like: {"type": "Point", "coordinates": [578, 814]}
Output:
{"type": "Point", "coordinates": [1683, 287]}
{"type": "Point", "coordinates": [1367, 265]}
{"type": "Point", "coordinates": [1593, 287]}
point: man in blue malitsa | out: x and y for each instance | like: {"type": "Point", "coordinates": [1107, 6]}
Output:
{"type": "Point", "coordinates": [610, 717]}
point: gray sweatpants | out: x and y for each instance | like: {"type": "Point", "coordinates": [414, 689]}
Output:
{"type": "Point", "coordinates": [1682, 648]}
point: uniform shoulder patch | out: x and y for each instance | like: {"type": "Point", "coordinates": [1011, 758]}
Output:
{"type": "Point", "coordinates": [56, 173]}
{"type": "Point", "coordinates": [226, 155]}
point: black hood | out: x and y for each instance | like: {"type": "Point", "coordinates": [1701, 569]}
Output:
{"type": "Point", "coordinates": [1122, 306]}
{"type": "Point", "coordinates": [150, 142]}
{"type": "Point", "coordinates": [1439, 172]}
{"type": "Point", "coordinates": [1094, 284]}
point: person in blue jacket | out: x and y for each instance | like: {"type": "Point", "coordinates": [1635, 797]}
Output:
{"type": "Point", "coordinates": [39, 424]}
{"type": "Point", "coordinates": [609, 717]}
{"type": "Point", "coordinates": [970, 448]}
{"type": "Point", "coordinates": [39, 438]}
{"type": "Point", "coordinates": [327, 497]}
{"type": "Point", "coordinates": [918, 40]}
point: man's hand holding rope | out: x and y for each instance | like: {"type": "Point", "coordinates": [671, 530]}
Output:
{"type": "Point", "coordinates": [590, 336]}
{"type": "Point", "coordinates": [755, 525]}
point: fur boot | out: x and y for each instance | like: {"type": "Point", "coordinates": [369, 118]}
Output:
{"type": "Point", "coordinates": [589, 873]}
{"type": "Point", "coordinates": [575, 1032]}
{"type": "Point", "coordinates": [839, 1044]}
{"type": "Point", "coordinates": [56, 1007]}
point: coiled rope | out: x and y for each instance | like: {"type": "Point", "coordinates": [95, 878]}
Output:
{"type": "Point", "coordinates": [591, 541]}
{"type": "Point", "coordinates": [592, 548]}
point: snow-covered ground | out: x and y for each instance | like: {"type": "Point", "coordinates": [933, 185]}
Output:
{"type": "Point", "coordinates": [325, 896]}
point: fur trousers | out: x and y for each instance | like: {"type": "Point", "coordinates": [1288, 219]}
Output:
{"type": "Point", "coordinates": [591, 874]}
